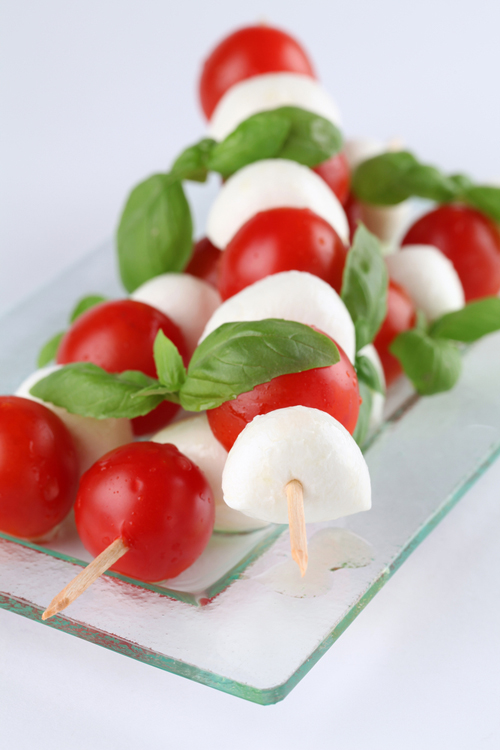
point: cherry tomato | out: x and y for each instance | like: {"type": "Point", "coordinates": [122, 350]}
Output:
{"type": "Point", "coordinates": [282, 239]}
{"type": "Point", "coordinates": [38, 468]}
{"type": "Point", "coordinates": [401, 316]}
{"type": "Point", "coordinates": [246, 53]}
{"type": "Point", "coordinates": [119, 336]}
{"type": "Point", "coordinates": [332, 389]}
{"type": "Point", "coordinates": [354, 212]}
{"type": "Point", "coordinates": [156, 500]}
{"type": "Point", "coordinates": [204, 263]}
{"type": "Point", "coordinates": [470, 240]}
{"type": "Point", "coordinates": [337, 175]}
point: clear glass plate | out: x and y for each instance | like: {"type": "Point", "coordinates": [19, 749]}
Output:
{"type": "Point", "coordinates": [241, 619]}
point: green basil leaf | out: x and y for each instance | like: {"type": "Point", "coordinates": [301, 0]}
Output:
{"type": "Point", "coordinates": [169, 364]}
{"type": "Point", "coordinates": [86, 304]}
{"type": "Point", "coordinates": [484, 198]}
{"type": "Point", "coordinates": [433, 365]}
{"type": "Point", "coordinates": [192, 163]}
{"type": "Point", "coordinates": [236, 357]}
{"type": "Point", "coordinates": [367, 373]}
{"type": "Point", "coordinates": [364, 414]}
{"type": "Point", "coordinates": [364, 286]}
{"type": "Point", "coordinates": [381, 180]}
{"type": "Point", "coordinates": [473, 321]}
{"type": "Point", "coordinates": [395, 176]}
{"type": "Point", "coordinates": [428, 182]}
{"type": "Point", "coordinates": [155, 231]}
{"type": "Point", "coordinates": [312, 139]}
{"type": "Point", "coordinates": [259, 137]}
{"type": "Point", "coordinates": [48, 351]}
{"type": "Point", "coordinates": [85, 389]}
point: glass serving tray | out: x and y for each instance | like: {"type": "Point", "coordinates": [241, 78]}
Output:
{"type": "Point", "coordinates": [241, 619]}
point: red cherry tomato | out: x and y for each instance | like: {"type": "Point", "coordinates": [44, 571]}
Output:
{"type": "Point", "coordinates": [119, 336]}
{"type": "Point", "coordinates": [246, 53]}
{"type": "Point", "coordinates": [282, 239]}
{"type": "Point", "coordinates": [204, 263]}
{"type": "Point", "coordinates": [470, 240]}
{"type": "Point", "coordinates": [38, 468]}
{"type": "Point", "coordinates": [401, 316]}
{"type": "Point", "coordinates": [156, 500]}
{"type": "Point", "coordinates": [337, 175]}
{"type": "Point", "coordinates": [332, 389]}
{"type": "Point", "coordinates": [354, 212]}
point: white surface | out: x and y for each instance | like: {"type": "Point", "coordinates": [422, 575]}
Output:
{"type": "Point", "coordinates": [97, 95]}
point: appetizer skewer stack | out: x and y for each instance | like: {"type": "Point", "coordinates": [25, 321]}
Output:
{"type": "Point", "coordinates": [283, 324]}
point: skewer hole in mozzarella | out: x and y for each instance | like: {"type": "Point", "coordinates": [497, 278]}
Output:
{"type": "Point", "coordinates": [429, 278]}
{"type": "Point", "coordinates": [290, 295]}
{"type": "Point", "coordinates": [302, 444]}
{"type": "Point", "coordinates": [194, 438]}
{"type": "Point", "coordinates": [92, 437]}
{"type": "Point", "coordinates": [270, 91]}
{"type": "Point", "coordinates": [187, 300]}
{"type": "Point", "coordinates": [272, 183]}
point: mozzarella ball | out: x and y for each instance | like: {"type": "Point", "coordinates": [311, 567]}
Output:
{"type": "Point", "coordinates": [187, 301]}
{"type": "Point", "coordinates": [296, 443]}
{"type": "Point", "coordinates": [386, 222]}
{"type": "Point", "coordinates": [272, 183]}
{"type": "Point", "coordinates": [194, 438]}
{"type": "Point", "coordinates": [291, 295]}
{"type": "Point", "coordinates": [270, 91]}
{"type": "Point", "coordinates": [92, 437]}
{"type": "Point", "coordinates": [378, 399]}
{"type": "Point", "coordinates": [429, 278]}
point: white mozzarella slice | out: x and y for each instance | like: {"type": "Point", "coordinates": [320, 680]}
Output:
{"type": "Point", "coordinates": [267, 184]}
{"type": "Point", "coordinates": [291, 295]}
{"type": "Point", "coordinates": [378, 400]}
{"type": "Point", "coordinates": [187, 301]}
{"type": "Point", "coordinates": [92, 437]}
{"type": "Point", "coordinates": [270, 91]}
{"type": "Point", "coordinates": [194, 438]}
{"type": "Point", "coordinates": [296, 443]}
{"type": "Point", "coordinates": [429, 278]}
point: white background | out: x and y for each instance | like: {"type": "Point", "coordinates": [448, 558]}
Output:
{"type": "Point", "coordinates": [95, 96]}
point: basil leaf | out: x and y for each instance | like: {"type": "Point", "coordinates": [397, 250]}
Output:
{"type": "Point", "coordinates": [86, 304]}
{"type": "Point", "coordinates": [380, 180]}
{"type": "Point", "coordinates": [155, 231]}
{"type": "Point", "coordinates": [169, 364]}
{"type": "Point", "coordinates": [367, 373]}
{"type": "Point", "coordinates": [192, 163]}
{"type": "Point", "coordinates": [48, 352]}
{"type": "Point", "coordinates": [433, 365]}
{"type": "Point", "coordinates": [364, 286]}
{"type": "Point", "coordinates": [473, 321]}
{"type": "Point", "coordinates": [236, 357]}
{"type": "Point", "coordinates": [259, 137]}
{"type": "Point", "coordinates": [390, 178]}
{"type": "Point", "coordinates": [484, 198]}
{"type": "Point", "coordinates": [311, 140]}
{"type": "Point", "coordinates": [85, 389]}
{"type": "Point", "coordinates": [364, 414]}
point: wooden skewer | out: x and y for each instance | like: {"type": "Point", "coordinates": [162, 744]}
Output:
{"type": "Point", "coordinates": [86, 578]}
{"type": "Point", "coordinates": [297, 522]}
